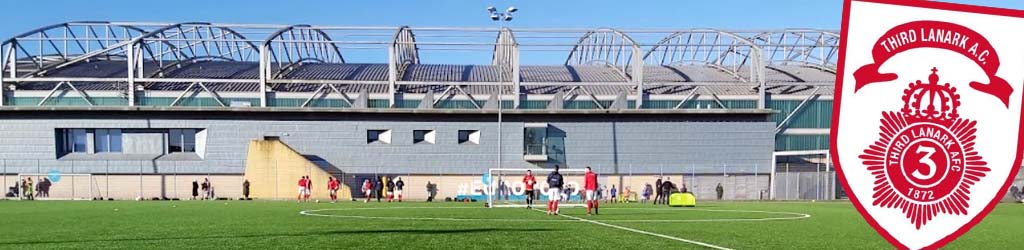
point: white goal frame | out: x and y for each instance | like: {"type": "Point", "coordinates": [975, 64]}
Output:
{"type": "Point", "coordinates": [541, 175]}
{"type": "Point", "coordinates": [35, 181]}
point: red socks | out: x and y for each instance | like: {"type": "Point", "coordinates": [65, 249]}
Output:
{"type": "Point", "coordinates": [590, 204]}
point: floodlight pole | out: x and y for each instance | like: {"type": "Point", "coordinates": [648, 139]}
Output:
{"type": "Point", "coordinates": [501, 18]}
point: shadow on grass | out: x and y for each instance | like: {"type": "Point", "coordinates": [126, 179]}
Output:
{"type": "Point", "coordinates": [324, 233]}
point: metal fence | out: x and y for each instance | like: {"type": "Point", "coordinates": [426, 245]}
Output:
{"type": "Point", "coordinates": [174, 179]}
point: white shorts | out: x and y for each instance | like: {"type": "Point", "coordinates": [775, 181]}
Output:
{"type": "Point", "coordinates": [334, 192]}
{"type": "Point", "coordinates": [398, 192]}
{"type": "Point", "coordinates": [591, 195]}
{"type": "Point", "coordinates": [554, 194]}
{"type": "Point", "coordinates": [302, 190]}
{"type": "Point", "coordinates": [367, 193]}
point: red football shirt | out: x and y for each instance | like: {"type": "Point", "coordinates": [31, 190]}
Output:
{"type": "Point", "coordinates": [590, 181]}
{"type": "Point", "coordinates": [529, 181]}
{"type": "Point", "coordinates": [302, 182]}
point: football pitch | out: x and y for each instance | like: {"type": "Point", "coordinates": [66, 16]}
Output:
{"type": "Point", "coordinates": [420, 225]}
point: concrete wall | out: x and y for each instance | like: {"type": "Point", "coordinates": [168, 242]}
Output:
{"type": "Point", "coordinates": [122, 187]}
{"type": "Point", "coordinates": [266, 180]}
{"type": "Point", "coordinates": [637, 144]}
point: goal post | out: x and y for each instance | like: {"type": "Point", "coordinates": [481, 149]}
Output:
{"type": "Point", "coordinates": [512, 192]}
{"type": "Point", "coordinates": [55, 186]}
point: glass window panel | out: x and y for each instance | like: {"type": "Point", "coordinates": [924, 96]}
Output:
{"type": "Point", "coordinates": [102, 140]}
{"type": "Point", "coordinates": [115, 140]}
{"type": "Point", "coordinates": [189, 140]}
{"type": "Point", "coordinates": [174, 141]}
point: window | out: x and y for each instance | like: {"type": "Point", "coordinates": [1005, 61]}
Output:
{"type": "Point", "coordinates": [422, 137]}
{"type": "Point", "coordinates": [534, 136]}
{"type": "Point", "coordinates": [378, 136]}
{"type": "Point", "coordinates": [76, 141]}
{"type": "Point", "coordinates": [181, 140]}
{"type": "Point", "coordinates": [469, 136]}
{"type": "Point", "coordinates": [107, 140]}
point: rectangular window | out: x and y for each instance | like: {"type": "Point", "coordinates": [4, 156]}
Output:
{"type": "Point", "coordinates": [107, 140]}
{"type": "Point", "coordinates": [79, 141]}
{"type": "Point", "coordinates": [181, 140]}
{"type": "Point", "coordinates": [423, 137]}
{"type": "Point", "coordinates": [534, 138]}
{"type": "Point", "coordinates": [469, 136]}
{"type": "Point", "coordinates": [174, 141]}
{"type": "Point", "coordinates": [378, 136]}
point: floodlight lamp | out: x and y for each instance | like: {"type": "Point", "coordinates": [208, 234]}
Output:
{"type": "Point", "coordinates": [508, 18]}
{"type": "Point", "coordinates": [491, 9]}
{"type": "Point", "coordinates": [494, 17]}
{"type": "Point", "coordinates": [511, 9]}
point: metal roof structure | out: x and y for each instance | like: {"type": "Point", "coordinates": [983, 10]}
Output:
{"type": "Point", "coordinates": [612, 68]}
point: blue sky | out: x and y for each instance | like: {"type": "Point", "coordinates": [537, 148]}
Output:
{"type": "Point", "coordinates": [23, 15]}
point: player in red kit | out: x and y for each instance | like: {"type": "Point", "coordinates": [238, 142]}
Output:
{"type": "Point", "coordinates": [590, 185]}
{"type": "Point", "coordinates": [332, 187]}
{"type": "Point", "coordinates": [302, 188]}
{"type": "Point", "coordinates": [529, 180]}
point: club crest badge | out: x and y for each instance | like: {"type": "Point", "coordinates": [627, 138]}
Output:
{"type": "Point", "coordinates": [925, 163]}
{"type": "Point", "coordinates": [926, 127]}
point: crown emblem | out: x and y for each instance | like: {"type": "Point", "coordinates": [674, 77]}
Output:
{"type": "Point", "coordinates": [931, 101]}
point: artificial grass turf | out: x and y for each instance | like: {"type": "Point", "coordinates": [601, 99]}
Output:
{"type": "Point", "coordinates": [418, 225]}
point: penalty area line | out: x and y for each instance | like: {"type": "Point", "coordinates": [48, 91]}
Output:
{"type": "Point", "coordinates": [643, 232]}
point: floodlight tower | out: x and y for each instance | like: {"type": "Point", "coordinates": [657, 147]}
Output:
{"type": "Point", "coordinates": [501, 18]}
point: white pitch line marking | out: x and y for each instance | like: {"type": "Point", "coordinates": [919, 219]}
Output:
{"type": "Point", "coordinates": [795, 216]}
{"type": "Point", "coordinates": [645, 232]}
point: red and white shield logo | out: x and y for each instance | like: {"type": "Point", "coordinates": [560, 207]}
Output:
{"type": "Point", "coordinates": [927, 132]}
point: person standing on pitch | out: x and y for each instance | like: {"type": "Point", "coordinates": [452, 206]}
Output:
{"type": "Point", "coordinates": [391, 190]}
{"type": "Point", "coordinates": [379, 188]}
{"type": "Point", "coordinates": [529, 181]}
{"type": "Point", "coordinates": [195, 189]}
{"type": "Point", "coordinates": [367, 190]}
{"type": "Point", "coordinates": [554, 191]}
{"type": "Point", "coordinates": [245, 189]}
{"type": "Point", "coordinates": [309, 187]}
{"type": "Point", "coordinates": [657, 190]}
{"type": "Point", "coordinates": [302, 189]}
{"type": "Point", "coordinates": [590, 185]}
{"type": "Point", "coordinates": [399, 185]}
{"type": "Point", "coordinates": [332, 188]}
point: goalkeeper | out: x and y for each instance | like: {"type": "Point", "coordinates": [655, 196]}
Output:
{"type": "Point", "coordinates": [590, 185]}
{"type": "Point", "coordinates": [554, 191]}
{"type": "Point", "coordinates": [529, 181]}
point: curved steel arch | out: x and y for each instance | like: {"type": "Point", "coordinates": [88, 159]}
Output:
{"type": "Point", "coordinates": [725, 51]}
{"type": "Point", "coordinates": [805, 47]}
{"type": "Point", "coordinates": [310, 45]}
{"type": "Point", "coordinates": [609, 47]}
{"type": "Point", "coordinates": [60, 50]}
{"type": "Point", "coordinates": [185, 44]}
{"type": "Point", "coordinates": [506, 54]}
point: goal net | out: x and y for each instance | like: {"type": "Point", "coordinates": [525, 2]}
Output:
{"type": "Point", "coordinates": [506, 188]}
{"type": "Point", "coordinates": [59, 186]}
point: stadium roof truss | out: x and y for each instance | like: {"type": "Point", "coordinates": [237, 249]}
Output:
{"type": "Point", "coordinates": [612, 69]}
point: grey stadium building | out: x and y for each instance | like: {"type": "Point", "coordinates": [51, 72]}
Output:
{"type": "Point", "coordinates": [166, 103]}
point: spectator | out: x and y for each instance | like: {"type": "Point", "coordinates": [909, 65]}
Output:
{"type": "Point", "coordinates": [195, 189]}
{"type": "Point", "coordinates": [657, 189]}
{"type": "Point", "coordinates": [600, 192]}
{"type": "Point", "coordinates": [245, 189]}
{"type": "Point", "coordinates": [627, 193]}
{"type": "Point", "coordinates": [615, 194]}
{"type": "Point", "coordinates": [502, 190]}
{"type": "Point", "coordinates": [27, 187]}
{"type": "Point", "coordinates": [719, 191]}
{"type": "Point", "coordinates": [399, 186]}
{"type": "Point", "coordinates": [44, 187]}
{"type": "Point", "coordinates": [431, 191]}
{"type": "Point", "coordinates": [666, 190]}
{"type": "Point", "coordinates": [206, 188]}
{"type": "Point", "coordinates": [648, 190]}
{"type": "Point", "coordinates": [683, 189]}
